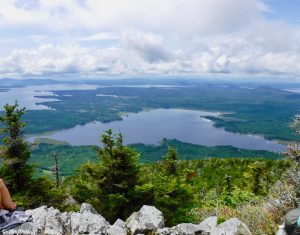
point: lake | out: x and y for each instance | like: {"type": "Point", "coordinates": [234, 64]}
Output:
{"type": "Point", "coordinates": [150, 127]}
{"type": "Point", "coordinates": [27, 96]}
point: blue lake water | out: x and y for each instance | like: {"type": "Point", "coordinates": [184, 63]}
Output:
{"type": "Point", "coordinates": [150, 127]}
{"type": "Point", "coordinates": [26, 96]}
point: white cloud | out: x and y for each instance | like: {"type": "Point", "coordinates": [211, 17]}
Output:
{"type": "Point", "coordinates": [133, 37]}
{"type": "Point", "coordinates": [147, 45]}
{"type": "Point", "coordinates": [176, 16]}
{"type": "Point", "coordinates": [99, 37]}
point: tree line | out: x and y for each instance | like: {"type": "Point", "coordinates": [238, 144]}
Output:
{"type": "Point", "coordinates": [118, 184]}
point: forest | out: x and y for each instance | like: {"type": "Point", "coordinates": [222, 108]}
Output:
{"type": "Point", "coordinates": [72, 157]}
{"type": "Point", "coordinates": [117, 183]}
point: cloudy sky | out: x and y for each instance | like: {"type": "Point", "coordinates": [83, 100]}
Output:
{"type": "Point", "coordinates": [101, 38]}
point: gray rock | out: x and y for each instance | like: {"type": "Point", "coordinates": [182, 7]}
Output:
{"type": "Point", "coordinates": [88, 223]}
{"type": "Point", "coordinates": [208, 224]}
{"type": "Point", "coordinates": [85, 207]}
{"type": "Point", "coordinates": [27, 228]}
{"type": "Point", "coordinates": [120, 223]}
{"type": "Point", "coordinates": [147, 219]}
{"type": "Point", "coordinates": [66, 218]}
{"type": "Point", "coordinates": [116, 230]}
{"type": "Point", "coordinates": [53, 222]}
{"type": "Point", "coordinates": [167, 231]}
{"type": "Point", "coordinates": [231, 227]}
{"type": "Point", "coordinates": [39, 217]}
{"type": "Point", "coordinates": [119, 227]}
{"type": "Point", "coordinates": [49, 221]}
{"type": "Point", "coordinates": [190, 229]}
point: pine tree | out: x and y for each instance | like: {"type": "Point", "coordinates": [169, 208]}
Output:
{"type": "Point", "coordinates": [109, 185]}
{"type": "Point", "coordinates": [15, 151]}
{"type": "Point", "coordinates": [170, 161]}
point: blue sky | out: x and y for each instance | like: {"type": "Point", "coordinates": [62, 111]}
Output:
{"type": "Point", "coordinates": [101, 38]}
{"type": "Point", "coordinates": [285, 10]}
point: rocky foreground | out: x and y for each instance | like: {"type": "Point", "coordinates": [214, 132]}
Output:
{"type": "Point", "coordinates": [148, 220]}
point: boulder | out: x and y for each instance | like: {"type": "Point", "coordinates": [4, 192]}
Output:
{"type": "Point", "coordinates": [119, 227]}
{"type": "Point", "coordinates": [146, 220]}
{"type": "Point", "coordinates": [27, 228]}
{"type": "Point", "coordinates": [85, 207]}
{"type": "Point", "coordinates": [119, 223]}
{"type": "Point", "coordinates": [188, 229]}
{"type": "Point", "coordinates": [231, 227]}
{"type": "Point", "coordinates": [88, 221]}
{"type": "Point", "coordinates": [116, 230]}
{"type": "Point", "coordinates": [204, 227]}
{"type": "Point", "coordinates": [208, 224]}
{"type": "Point", "coordinates": [53, 222]}
{"type": "Point", "coordinates": [39, 217]}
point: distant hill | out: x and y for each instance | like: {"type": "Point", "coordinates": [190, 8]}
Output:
{"type": "Point", "coordinates": [10, 82]}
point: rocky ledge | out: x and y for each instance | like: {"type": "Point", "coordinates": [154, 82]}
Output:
{"type": "Point", "coordinates": [148, 220]}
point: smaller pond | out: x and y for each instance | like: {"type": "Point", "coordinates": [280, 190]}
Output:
{"type": "Point", "coordinates": [150, 127]}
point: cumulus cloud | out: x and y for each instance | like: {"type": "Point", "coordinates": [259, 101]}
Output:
{"type": "Point", "coordinates": [134, 37]}
{"type": "Point", "coordinates": [147, 45]}
{"type": "Point", "coordinates": [48, 59]}
{"type": "Point", "coordinates": [177, 16]}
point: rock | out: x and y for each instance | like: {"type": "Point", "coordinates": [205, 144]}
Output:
{"type": "Point", "coordinates": [39, 217]}
{"type": "Point", "coordinates": [208, 224]}
{"type": "Point", "coordinates": [116, 230]}
{"type": "Point", "coordinates": [231, 227]}
{"type": "Point", "coordinates": [146, 220]}
{"type": "Point", "coordinates": [53, 222]}
{"type": "Point", "coordinates": [66, 218]}
{"type": "Point", "coordinates": [85, 207]}
{"type": "Point", "coordinates": [88, 221]}
{"type": "Point", "coordinates": [119, 227]}
{"type": "Point", "coordinates": [190, 229]}
{"type": "Point", "coordinates": [119, 223]}
{"type": "Point", "coordinates": [27, 228]}
{"type": "Point", "coordinates": [187, 229]}
{"type": "Point", "coordinates": [167, 231]}
{"type": "Point", "coordinates": [49, 221]}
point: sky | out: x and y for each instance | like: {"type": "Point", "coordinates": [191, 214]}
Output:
{"type": "Point", "coordinates": [136, 38]}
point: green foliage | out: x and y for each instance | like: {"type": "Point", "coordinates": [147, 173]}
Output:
{"type": "Point", "coordinates": [109, 185]}
{"type": "Point", "coordinates": [17, 173]}
{"type": "Point", "coordinates": [15, 152]}
{"type": "Point", "coordinates": [72, 157]}
{"type": "Point", "coordinates": [170, 160]}
{"type": "Point", "coordinates": [41, 191]}
{"type": "Point", "coordinates": [186, 151]}
{"type": "Point", "coordinates": [209, 185]}
{"type": "Point", "coordinates": [174, 197]}
{"type": "Point", "coordinates": [260, 177]}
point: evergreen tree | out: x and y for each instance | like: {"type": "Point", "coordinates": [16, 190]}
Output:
{"type": "Point", "coordinates": [170, 188]}
{"type": "Point", "coordinates": [170, 161]}
{"type": "Point", "coordinates": [113, 179]}
{"type": "Point", "coordinates": [15, 151]}
{"type": "Point", "coordinates": [118, 174]}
